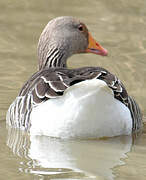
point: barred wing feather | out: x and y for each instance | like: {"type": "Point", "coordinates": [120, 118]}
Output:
{"type": "Point", "coordinates": [51, 83]}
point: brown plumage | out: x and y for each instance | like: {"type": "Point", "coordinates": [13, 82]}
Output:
{"type": "Point", "coordinates": [53, 77]}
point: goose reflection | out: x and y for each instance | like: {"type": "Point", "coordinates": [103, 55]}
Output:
{"type": "Point", "coordinates": [69, 159]}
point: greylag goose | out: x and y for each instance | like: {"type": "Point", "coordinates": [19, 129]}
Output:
{"type": "Point", "coordinates": [87, 102]}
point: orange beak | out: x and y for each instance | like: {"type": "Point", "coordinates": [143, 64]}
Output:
{"type": "Point", "coordinates": [94, 47]}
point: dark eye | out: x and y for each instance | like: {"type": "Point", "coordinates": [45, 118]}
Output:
{"type": "Point", "coordinates": [80, 28]}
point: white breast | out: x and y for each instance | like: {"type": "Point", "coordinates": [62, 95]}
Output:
{"type": "Point", "coordinates": [86, 110]}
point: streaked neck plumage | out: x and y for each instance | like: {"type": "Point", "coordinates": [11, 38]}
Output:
{"type": "Point", "coordinates": [60, 39]}
{"type": "Point", "coordinates": [53, 48]}
{"type": "Point", "coordinates": [53, 57]}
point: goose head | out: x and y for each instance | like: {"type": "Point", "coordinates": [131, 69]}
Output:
{"type": "Point", "coordinates": [63, 37]}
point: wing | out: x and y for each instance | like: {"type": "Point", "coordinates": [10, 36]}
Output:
{"type": "Point", "coordinates": [51, 83]}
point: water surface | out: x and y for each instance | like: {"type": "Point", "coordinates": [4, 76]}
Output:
{"type": "Point", "coordinates": [120, 26]}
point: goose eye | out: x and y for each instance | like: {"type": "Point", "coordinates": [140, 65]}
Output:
{"type": "Point", "coordinates": [80, 27]}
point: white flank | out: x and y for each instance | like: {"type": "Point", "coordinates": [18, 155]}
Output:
{"type": "Point", "coordinates": [86, 110]}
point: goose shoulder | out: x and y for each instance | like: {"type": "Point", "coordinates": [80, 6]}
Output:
{"type": "Point", "coordinates": [51, 83]}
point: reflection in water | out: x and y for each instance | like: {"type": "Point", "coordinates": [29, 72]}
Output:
{"type": "Point", "coordinates": [56, 158]}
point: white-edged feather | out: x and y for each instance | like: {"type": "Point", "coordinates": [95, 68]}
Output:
{"type": "Point", "coordinates": [87, 109]}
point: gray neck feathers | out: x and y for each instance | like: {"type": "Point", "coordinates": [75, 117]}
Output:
{"type": "Point", "coordinates": [54, 57]}
{"type": "Point", "coordinates": [53, 50]}
{"type": "Point", "coordinates": [59, 40]}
